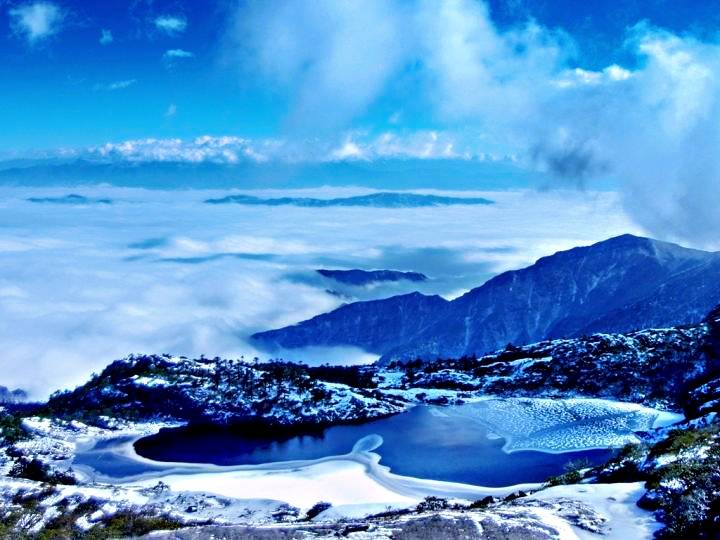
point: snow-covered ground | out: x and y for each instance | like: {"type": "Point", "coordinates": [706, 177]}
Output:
{"type": "Point", "coordinates": [339, 481]}
{"type": "Point", "coordinates": [614, 502]}
{"type": "Point", "coordinates": [355, 484]}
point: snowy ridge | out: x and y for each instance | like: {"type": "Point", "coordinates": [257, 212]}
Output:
{"type": "Point", "coordinates": [220, 391]}
{"type": "Point", "coordinates": [652, 367]}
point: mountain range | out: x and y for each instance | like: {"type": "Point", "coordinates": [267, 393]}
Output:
{"type": "Point", "coordinates": [617, 285]}
{"type": "Point", "coordinates": [365, 277]}
{"type": "Point", "coordinates": [463, 174]}
{"type": "Point", "coordinates": [373, 200]}
{"type": "Point", "coordinates": [72, 199]}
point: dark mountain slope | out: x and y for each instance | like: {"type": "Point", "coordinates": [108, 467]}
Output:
{"type": "Point", "coordinates": [618, 285]}
{"type": "Point", "coordinates": [691, 293]}
{"type": "Point", "coordinates": [374, 326]}
{"type": "Point", "coordinates": [571, 292]}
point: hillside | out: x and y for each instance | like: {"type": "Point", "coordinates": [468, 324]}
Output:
{"type": "Point", "coordinates": [671, 471]}
{"type": "Point", "coordinates": [673, 368]}
{"type": "Point", "coordinates": [220, 392]}
{"type": "Point", "coordinates": [373, 325]}
{"type": "Point", "coordinates": [618, 285]}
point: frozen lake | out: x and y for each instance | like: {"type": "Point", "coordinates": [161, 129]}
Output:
{"type": "Point", "coordinates": [426, 442]}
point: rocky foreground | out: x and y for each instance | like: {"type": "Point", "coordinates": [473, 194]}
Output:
{"type": "Point", "coordinates": [674, 473]}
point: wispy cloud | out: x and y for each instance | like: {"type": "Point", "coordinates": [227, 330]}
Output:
{"type": "Point", "coordinates": [171, 110]}
{"type": "Point", "coordinates": [352, 146]}
{"type": "Point", "coordinates": [116, 85]}
{"type": "Point", "coordinates": [328, 52]}
{"type": "Point", "coordinates": [36, 21]}
{"type": "Point", "coordinates": [106, 37]}
{"type": "Point", "coordinates": [172, 25]}
{"type": "Point", "coordinates": [429, 144]}
{"type": "Point", "coordinates": [172, 54]}
{"type": "Point", "coordinates": [655, 126]}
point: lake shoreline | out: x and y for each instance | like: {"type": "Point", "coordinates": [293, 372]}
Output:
{"type": "Point", "coordinates": [362, 465]}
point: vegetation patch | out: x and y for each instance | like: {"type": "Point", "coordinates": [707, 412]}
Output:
{"type": "Point", "coordinates": [316, 510]}
{"type": "Point", "coordinates": [11, 428]}
{"type": "Point", "coordinates": [127, 524]}
{"type": "Point", "coordinates": [572, 475]}
{"type": "Point", "coordinates": [36, 470]}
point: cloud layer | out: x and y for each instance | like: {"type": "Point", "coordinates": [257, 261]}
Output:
{"type": "Point", "coordinates": [154, 271]}
{"type": "Point", "coordinates": [655, 124]}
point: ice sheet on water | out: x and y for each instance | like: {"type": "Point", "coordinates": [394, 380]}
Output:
{"type": "Point", "coordinates": [368, 443]}
{"type": "Point", "coordinates": [559, 425]}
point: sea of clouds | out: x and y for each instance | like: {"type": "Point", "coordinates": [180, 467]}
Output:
{"type": "Point", "coordinates": [653, 123]}
{"type": "Point", "coordinates": [164, 272]}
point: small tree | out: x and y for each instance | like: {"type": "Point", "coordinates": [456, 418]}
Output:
{"type": "Point", "coordinates": [316, 510]}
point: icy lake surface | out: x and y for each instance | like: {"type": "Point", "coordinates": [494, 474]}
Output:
{"type": "Point", "coordinates": [497, 442]}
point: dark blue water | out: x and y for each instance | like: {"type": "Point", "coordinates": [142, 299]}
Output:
{"type": "Point", "coordinates": [417, 443]}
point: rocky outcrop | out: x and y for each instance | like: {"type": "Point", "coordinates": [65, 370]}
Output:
{"type": "Point", "coordinates": [220, 392]}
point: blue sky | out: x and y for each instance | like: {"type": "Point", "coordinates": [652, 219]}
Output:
{"type": "Point", "coordinates": [58, 90]}
{"type": "Point", "coordinates": [64, 88]}
{"type": "Point", "coordinates": [587, 94]}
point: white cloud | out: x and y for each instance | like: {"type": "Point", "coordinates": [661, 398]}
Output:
{"type": "Point", "coordinates": [36, 21]}
{"type": "Point", "coordinates": [171, 110]}
{"type": "Point", "coordinates": [348, 150]}
{"type": "Point", "coordinates": [172, 25]}
{"type": "Point", "coordinates": [350, 146]}
{"type": "Point", "coordinates": [200, 149]}
{"type": "Point", "coordinates": [116, 85]}
{"type": "Point", "coordinates": [83, 286]}
{"type": "Point", "coordinates": [177, 53]}
{"type": "Point", "coordinates": [340, 52]}
{"type": "Point", "coordinates": [415, 145]}
{"type": "Point", "coordinates": [106, 37]}
{"type": "Point", "coordinates": [579, 76]}
{"type": "Point", "coordinates": [656, 127]}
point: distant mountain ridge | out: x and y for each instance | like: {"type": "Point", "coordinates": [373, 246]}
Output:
{"type": "Point", "coordinates": [383, 199]}
{"type": "Point", "coordinates": [365, 277]}
{"type": "Point", "coordinates": [464, 174]}
{"type": "Point", "coordinates": [12, 396]}
{"type": "Point", "coordinates": [68, 199]}
{"type": "Point", "coordinates": [618, 285]}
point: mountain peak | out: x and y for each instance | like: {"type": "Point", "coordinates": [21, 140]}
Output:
{"type": "Point", "coordinates": [626, 246]}
{"type": "Point", "coordinates": [620, 284]}
{"type": "Point", "coordinates": [660, 247]}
